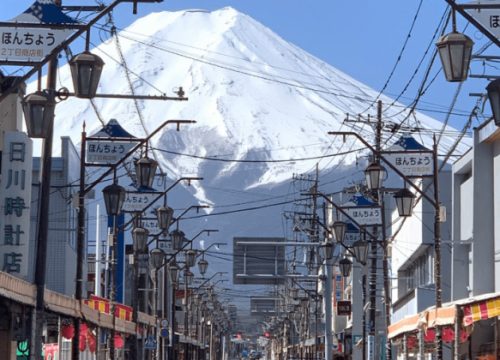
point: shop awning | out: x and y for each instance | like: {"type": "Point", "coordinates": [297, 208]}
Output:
{"type": "Point", "coordinates": [476, 308]}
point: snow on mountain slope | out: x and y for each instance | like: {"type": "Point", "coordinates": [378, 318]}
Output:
{"type": "Point", "coordinates": [254, 96]}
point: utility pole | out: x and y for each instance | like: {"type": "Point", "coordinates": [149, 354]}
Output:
{"type": "Point", "coordinates": [328, 299]}
{"type": "Point", "coordinates": [43, 218]}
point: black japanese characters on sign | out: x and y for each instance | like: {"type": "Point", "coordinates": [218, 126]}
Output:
{"type": "Point", "coordinates": [411, 164]}
{"type": "Point", "coordinates": [28, 45]}
{"type": "Point", "coordinates": [136, 201]}
{"type": "Point", "coordinates": [494, 21]}
{"type": "Point", "coordinates": [107, 152]}
{"type": "Point", "coordinates": [15, 197]}
{"type": "Point", "coordinates": [26, 38]}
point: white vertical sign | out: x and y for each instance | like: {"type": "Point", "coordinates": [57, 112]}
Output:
{"type": "Point", "coordinates": [15, 203]}
{"type": "Point", "coordinates": [370, 349]}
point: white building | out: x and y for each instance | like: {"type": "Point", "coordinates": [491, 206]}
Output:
{"type": "Point", "coordinates": [61, 247]}
{"type": "Point", "coordinates": [476, 230]}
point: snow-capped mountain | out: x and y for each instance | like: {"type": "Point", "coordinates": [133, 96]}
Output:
{"type": "Point", "coordinates": [254, 96]}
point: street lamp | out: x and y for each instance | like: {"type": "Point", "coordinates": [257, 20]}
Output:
{"type": "Point", "coordinates": [38, 111]}
{"type": "Point", "coordinates": [165, 215]}
{"type": "Point", "coordinates": [327, 248]}
{"type": "Point", "coordinates": [339, 229]}
{"type": "Point", "coordinates": [345, 267]}
{"type": "Point", "coordinates": [360, 250]}
{"type": "Point", "coordinates": [177, 239]}
{"type": "Point", "coordinates": [145, 169]}
{"type": "Point", "coordinates": [188, 277]}
{"type": "Point", "coordinates": [86, 69]}
{"type": "Point", "coordinates": [202, 266]}
{"type": "Point", "coordinates": [404, 202]}
{"type": "Point", "coordinates": [156, 257]}
{"type": "Point", "coordinates": [375, 175]}
{"type": "Point", "coordinates": [493, 90]}
{"type": "Point", "coordinates": [190, 257]}
{"type": "Point", "coordinates": [114, 197]}
{"type": "Point", "coordinates": [140, 237]}
{"type": "Point", "coordinates": [174, 273]}
{"type": "Point", "coordinates": [455, 50]}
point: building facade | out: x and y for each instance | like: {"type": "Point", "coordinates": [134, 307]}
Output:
{"type": "Point", "coordinates": [476, 232]}
{"type": "Point", "coordinates": [61, 247]}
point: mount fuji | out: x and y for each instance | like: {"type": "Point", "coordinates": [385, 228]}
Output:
{"type": "Point", "coordinates": [263, 109]}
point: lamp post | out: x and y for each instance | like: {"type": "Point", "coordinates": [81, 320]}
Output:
{"type": "Point", "coordinates": [114, 197]}
{"type": "Point", "coordinates": [142, 167]}
{"type": "Point", "coordinates": [434, 201]}
{"type": "Point", "coordinates": [188, 278]}
{"type": "Point", "coordinates": [140, 246]}
{"type": "Point", "coordinates": [42, 115]}
{"type": "Point", "coordinates": [86, 69]}
{"type": "Point", "coordinates": [173, 270]}
{"type": "Point", "coordinates": [156, 257]}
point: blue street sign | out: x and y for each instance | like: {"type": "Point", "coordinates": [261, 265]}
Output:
{"type": "Point", "coordinates": [150, 343]}
{"type": "Point", "coordinates": [164, 332]}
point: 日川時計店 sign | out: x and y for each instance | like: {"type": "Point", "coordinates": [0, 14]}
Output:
{"type": "Point", "coordinates": [22, 44]}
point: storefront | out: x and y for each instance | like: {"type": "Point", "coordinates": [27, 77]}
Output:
{"type": "Point", "coordinates": [470, 327]}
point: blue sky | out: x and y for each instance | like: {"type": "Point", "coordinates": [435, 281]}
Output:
{"type": "Point", "coordinates": [362, 38]}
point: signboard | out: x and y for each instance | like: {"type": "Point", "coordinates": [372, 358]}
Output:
{"type": "Point", "coordinates": [410, 157]}
{"type": "Point", "coordinates": [411, 164]}
{"type": "Point", "coordinates": [370, 348]}
{"type": "Point", "coordinates": [136, 201]}
{"type": "Point", "coordinates": [29, 44]}
{"type": "Point", "coordinates": [15, 203]}
{"type": "Point", "coordinates": [489, 18]}
{"type": "Point", "coordinates": [344, 308]}
{"type": "Point", "coordinates": [338, 288]}
{"type": "Point", "coordinates": [151, 225]}
{"type": "Point", "coordinates": [107, 151]}
{"type": "Point", "coordinates": [263, 306]}
{"type": "Point", "coordinates": [165, 245]}
{"type": "Point", "coordinates": [363, 211]}
{"type": "Point", "coordinates": [258, 264]}
{"type": "Point", "coordinates": [351, 235]}
{"type": "Point", "coordinates": [365, 215]}
{"type": "Point", "coordinates": [150, 343]}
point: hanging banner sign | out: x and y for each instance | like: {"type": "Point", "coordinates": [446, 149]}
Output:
{"type": "Point", "coordinates": [411, 164]}
{"type": "Point", "coordinates": [29, 44]}
{"type": "Point", "coordinates": [363, 210]}
{"type": "Point", "coordinates": [489, 18]}
{"type": "Point", "coordinates": [351, 237]}
{"type": "Point", "coordinates": [151, 225]}
{"type": "Point", "coordinates": [365, 215]}
{"type": "Point", "coordinates": [165, 245]}
{"type": "Point", "coordinates": [107, 151]}
{"type": "Point", "coordinates": [136, 201]}
{"type": "Point", "coordinates": [410, 157]}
